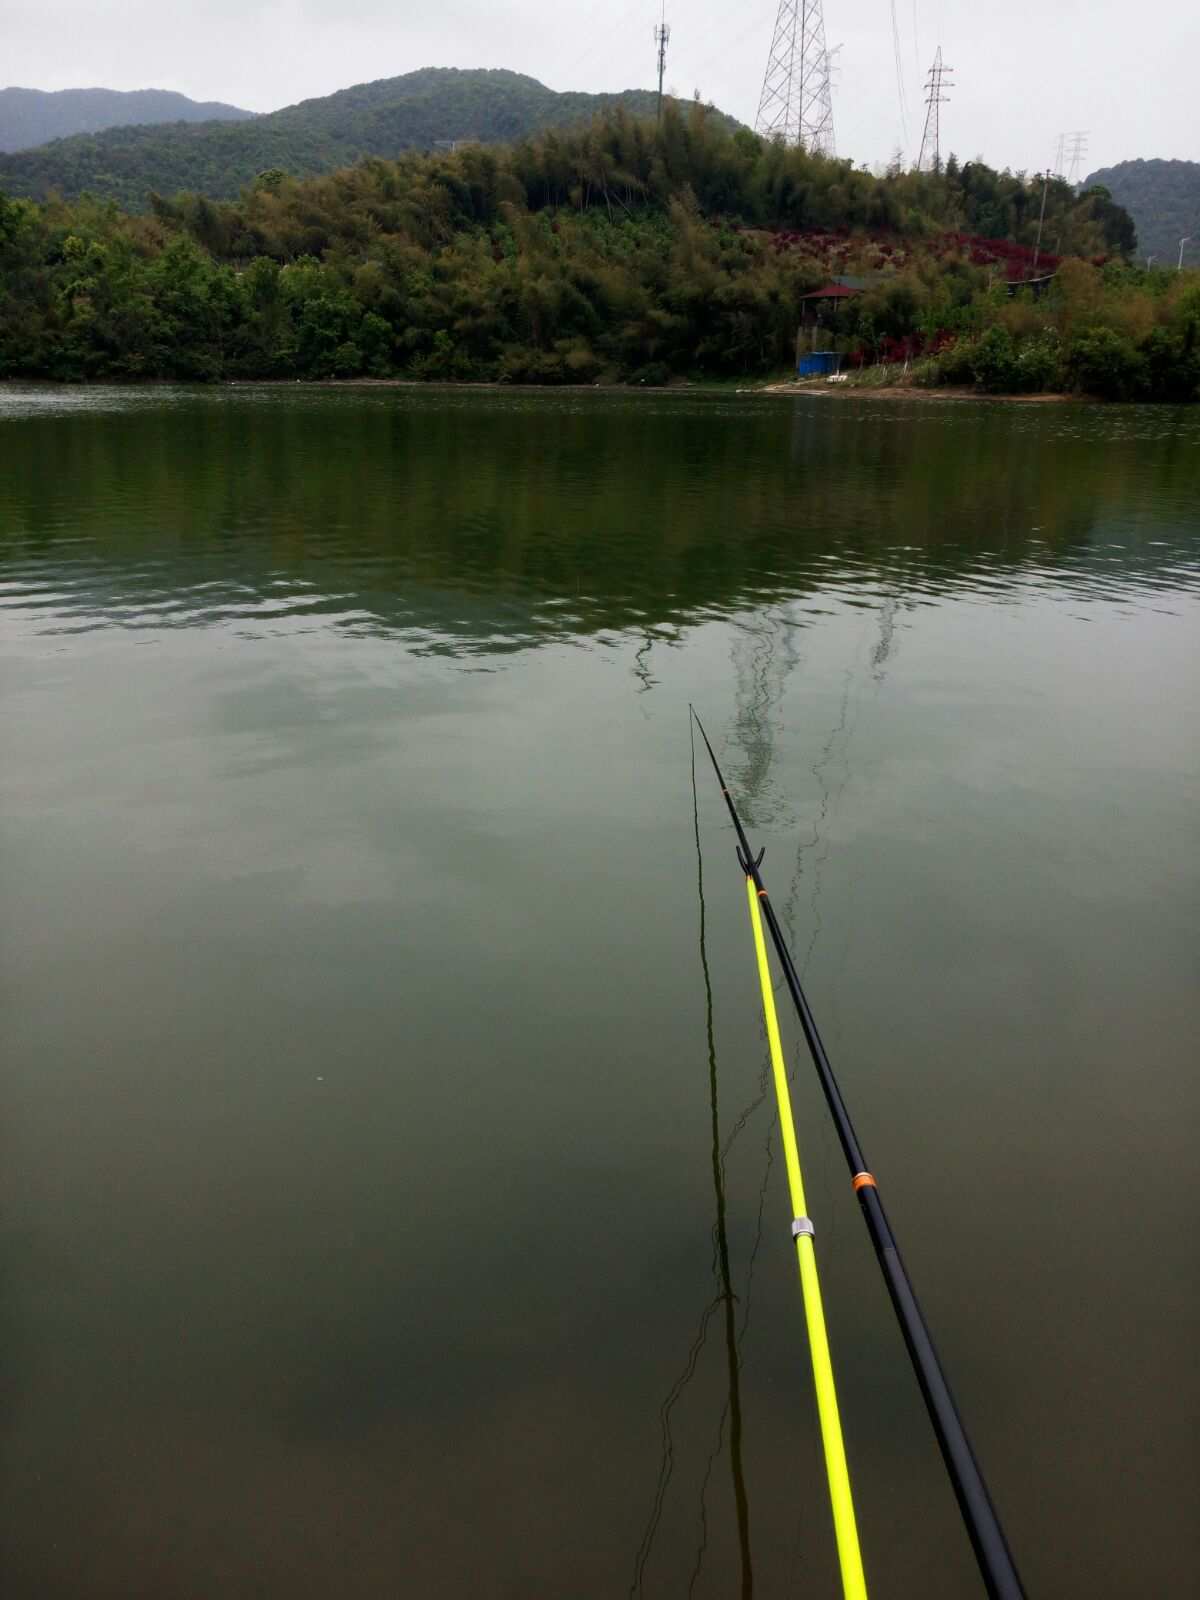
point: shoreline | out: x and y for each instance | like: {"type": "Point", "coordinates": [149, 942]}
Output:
{"type": "Point", "coordinates": [685, 386]}
{"type": "Point", "coordinates": [729, 388]}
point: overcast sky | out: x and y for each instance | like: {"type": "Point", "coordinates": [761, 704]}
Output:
{"type": "Point", "coordinates": [1025, 70]}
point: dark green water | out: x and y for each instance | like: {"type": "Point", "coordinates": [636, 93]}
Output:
{"type": "Point", "coordinates": [359, 1231]}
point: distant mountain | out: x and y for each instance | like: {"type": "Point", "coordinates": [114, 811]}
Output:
{"type": "Point", "coordinates": [30, 117]}
{"type": "Point", "coordinates": [420, 110]}
{"type": "Point", "coordinates": [1163, 198]}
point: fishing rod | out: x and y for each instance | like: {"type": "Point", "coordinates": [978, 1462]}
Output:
{"type": "Point", "coordinates": [854, 1585]}
{"type": "Point", "coordinates": [841, 1499]}
{"type": "Point", "coordinates": [996, 1564]}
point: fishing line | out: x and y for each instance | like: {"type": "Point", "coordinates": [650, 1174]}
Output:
{"type": "Point", "coordinates": [733, 1359]}
{"type": "Point", "coordinates": [720, 1269]}
{"type": "Point", "coordinates": [667, 1461]}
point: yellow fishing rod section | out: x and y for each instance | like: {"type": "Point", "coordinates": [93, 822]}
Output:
{"type": "Point", "coordinates": [854, 1583]}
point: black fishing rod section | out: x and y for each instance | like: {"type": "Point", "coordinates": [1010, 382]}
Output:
{"type": "Point", "coordinates": [996, 1564]}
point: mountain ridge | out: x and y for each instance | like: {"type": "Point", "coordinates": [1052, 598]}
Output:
{"type": "Point", "coordinates": [417, 110]}
{"type": "Point", "coordinates": [1163, 198]}
{"type": "Point", "coordinates": [33, 117]}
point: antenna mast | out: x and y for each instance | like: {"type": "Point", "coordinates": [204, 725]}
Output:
{"type": "Point", "coordinates": [931, 139]}
{"type": "Point", "coordinates": [796, 104]}
{"type": "Point", "coordinates": [662, 36]}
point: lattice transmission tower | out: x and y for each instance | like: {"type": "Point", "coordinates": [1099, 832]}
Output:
{"type": "Point", "coordinates": [1079, 144]}
{"type": "Point", "coordinates": [935, 98]}
{"type": "Point", "coordinates": [796, 104]}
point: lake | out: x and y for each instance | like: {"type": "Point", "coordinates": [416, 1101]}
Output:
{"type": "Point", "coordinates": [373, 1219]}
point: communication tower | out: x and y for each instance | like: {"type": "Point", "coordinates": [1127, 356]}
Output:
{"type": "Point", "coordinates": [931, 140]}
{"type": "Point", "coordinates": [796, 104]}
{"type": "Point", "coordinates": [662, 37]}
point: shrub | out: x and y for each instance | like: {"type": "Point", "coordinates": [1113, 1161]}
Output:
{"type": "Point", "coordinates": [1038, 364]}
{"type": "Point", "coordinates": [654, 373]}
{"type": "Point", "coordinates": [1172, 368]}
{"type": "Point", "coordinates": [956, 364]}
{"type": "Point", "coordinates": [994, 364]}
{"type": "Point", "coordinates": [1102, 363]}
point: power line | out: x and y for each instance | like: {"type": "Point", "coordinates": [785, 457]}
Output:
{"type": "Point", "coordinates": [725, 50]}
{"type": "Point", "coordinates": [916, 39]}
{"type": "Point", "coordinates": [598, 40]}
{"type": "Point", "coordinates": [899, 74]}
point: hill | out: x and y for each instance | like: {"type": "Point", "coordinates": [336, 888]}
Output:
{"type": "Point", "coordinates": [29, 117]}
{"type": "Point", "coordinates": [1163, 198]}
{"type": "Point", "coordinates": [419, 111]}
{"type": "Point", "coordinates": [620, 250]}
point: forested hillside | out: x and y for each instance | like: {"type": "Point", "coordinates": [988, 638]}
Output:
{"type": "Point", "coordinates": [416, 112]}
{"type": "Point", "coordinates": [620, 251]}
{"type": "Point", "coordinates": [30, 117]}
{"type": "Point", "coordinates": [1163, 198]}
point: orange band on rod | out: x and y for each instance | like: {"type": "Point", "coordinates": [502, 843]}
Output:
{"type": "Point", "coordinates": [864, 1180]}
{"type": "Point", "coordinates": [762, 894]}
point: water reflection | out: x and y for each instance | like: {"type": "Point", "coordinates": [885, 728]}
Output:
{"type": "Point", "coordinates": [725, 1301]}
{"type": "Point", "coordinates": [389, 1183]}
{"type": "Point", "coordinates": [476, 530]}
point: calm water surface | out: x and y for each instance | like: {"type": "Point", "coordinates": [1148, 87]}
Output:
{"type": "Point", "coordinates": [372, 1222]}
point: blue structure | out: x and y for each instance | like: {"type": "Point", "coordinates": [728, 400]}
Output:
{"type": "Point", "coordinates": [818, 364]}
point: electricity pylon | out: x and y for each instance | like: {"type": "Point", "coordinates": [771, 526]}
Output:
{"type": "Point", "coordinates": [931, 139]}
{"type": "Point", "coordinates": [1079, 144]}
{"type": "Point", "coordinates": [796, 104]}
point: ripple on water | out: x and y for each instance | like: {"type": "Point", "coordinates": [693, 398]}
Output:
{"type": "Point", "coordinates": [469, 523]}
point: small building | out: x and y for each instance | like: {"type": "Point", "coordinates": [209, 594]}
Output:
{"type": "Point", "coordinates": [844, 288]}
{"type": "Point", "coordinates": [817, 309]}
{"type": "Point", "coordinates": [818, 364]}
{"type": "Point", "coordinates": [1038, 285]}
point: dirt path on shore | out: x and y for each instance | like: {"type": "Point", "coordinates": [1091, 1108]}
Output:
{"type": "Point", "coordinates": [900, 391]}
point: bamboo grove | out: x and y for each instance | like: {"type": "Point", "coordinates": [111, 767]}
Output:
{"type": "Point", "coordinates": [620, 252]}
